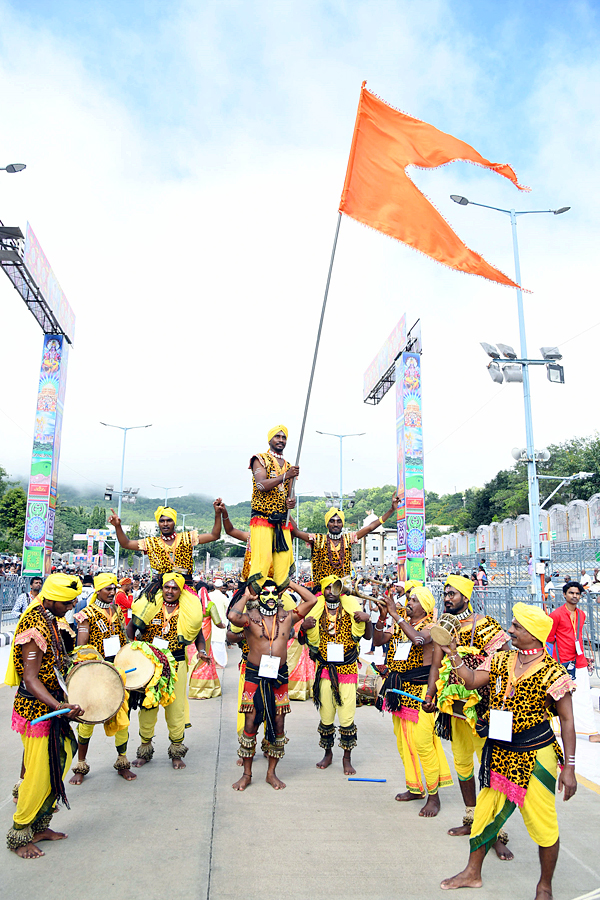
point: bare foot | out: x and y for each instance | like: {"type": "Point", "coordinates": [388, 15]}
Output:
{"type": "Point", "coordinates": [48, 835]}
{"type": "Point", "coordinates": [326, 761]}
{"type": "Point", "coordinates": [240, 762]}
{"type": "Point", "coordinates": [139, 762]}
{"type": "Point", "coordinates": [408, 795]}
{"type": "Point", "coordinates": [76, 779]}
{"type": "Point", "coordinates": [178, 764]}
{"type": "Point", "coordinates": [432, 807]}
{"type": "Point", "coordinates": [502, 851]}
{"type": "Point", "coordinates": [347, 765]}
{"type": "Point", "coordinates": [29, 851]}
{"type": "Point", "coordinates": [463, 879]}
{"type": "Point", "coordinates": [243, 783]}
{"type": "Point", "coordinates": [127, 774]}
{"type": "Point", "coordinates": [460, 830]}
{"type": "Point", "coordinates": [542, 893]}
{"type": "Point", "coordinates": [274, 781]}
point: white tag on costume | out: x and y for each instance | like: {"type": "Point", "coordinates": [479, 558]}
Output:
{"type": "Point", "coordinates": [160, 644]}
{"type": "Point", "coordinates": [501, 722]}
{"type": "Point", "coordinates": [112, 645]}
{"type": "Point", "coordinates": [578, 649]}
{"type": "Point", "coordinates": [269, 666]}
{"type": "Point", "coordinates": [335, 652]}
{"type": "Point", "coordinates": [402, 650]}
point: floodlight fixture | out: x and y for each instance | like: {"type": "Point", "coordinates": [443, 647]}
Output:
{"type": "Point", "coordinates": [490, 350]}
{"type": "Point", "coordinates": [11, 168]}
{"type": "Point", "coordinates": [513, 373]}
{"type": "Point", "coordinates": [462, 201]}
{"type": "Point", "coordinates": [556, 373]}
{"type": "Point", "coordinates": [550, 353]}
{"type": "Point", "coordinates": [506, 350]}
{"type": "Point", "coordinates": [495, 372]}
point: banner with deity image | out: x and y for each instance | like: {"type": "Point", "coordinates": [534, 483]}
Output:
{"type": "Point", "coordinates": [411, 489]}
{"type": "Point", "coordinates": [43, 476]}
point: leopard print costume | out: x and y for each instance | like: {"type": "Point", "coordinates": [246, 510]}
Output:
{"type": "Point", "coordinates": [165, 557]}
{"type": "Point", "coordinates": [342, 557]}
{"type": "Point", "coordinates": [488, 636]}
{"type": "Point", "coordinates": [546, 680]}
{"type": "Point", "coordinates": [274, 501]}
{"type": "Point", "coordinates": [413, 661]}
{"type": "Point", "coordinates": [155, 629]}
{"type": "Point", "coordinates": [33, 625]}
{"type": "Point", "coordinates": [102, 624]}
{"type": "Point", "coordinates": [343, 635]}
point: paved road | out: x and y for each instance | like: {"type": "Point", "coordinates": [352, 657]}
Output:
{"type": "Point", "coordinates": [174, 835]}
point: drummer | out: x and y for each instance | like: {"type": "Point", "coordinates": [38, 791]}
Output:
{"type": "Point", "coordinates": [101, 625]}
{"type": "Point", "coordinates": [170, 619]}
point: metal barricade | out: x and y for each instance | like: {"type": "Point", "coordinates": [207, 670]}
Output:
{"type": "Point", "coordinates": [11, 587]}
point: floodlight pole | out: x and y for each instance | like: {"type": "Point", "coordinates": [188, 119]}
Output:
{"type": "Point", "coordinates": [341, 437]}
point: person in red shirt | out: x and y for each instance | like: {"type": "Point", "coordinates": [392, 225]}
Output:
{"type": "Point", "coordinates": [124, 597]}
{"type": "Point", "coordinates": [567, 639]}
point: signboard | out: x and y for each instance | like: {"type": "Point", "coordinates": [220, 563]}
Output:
{"type": "Point", "coordinates": [43, 476]}
{"type": "Point", "coordinates": [409, 458]}
{"type": "Point", "coordinates": [394, 345]}
{"type": "Point", "coordinates": [41, 271]}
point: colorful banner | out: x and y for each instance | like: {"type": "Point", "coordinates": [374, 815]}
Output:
{"type": "Point", "coordinates": [411, 488]}
{"type": "Point", "coordinates": [395, 343]}
{"type": "Point", "coordinates": [43, 476]}
{"type": "Point", "coordinates": [40, 269]}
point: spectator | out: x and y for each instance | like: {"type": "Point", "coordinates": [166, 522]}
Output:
{"type": "Point", "coordinates": [124, 597]}
{"type": "Point", "coordinates": [585, 580]}
{"type": "Point", "coordinates": [27, 597]}
{"type": "Point", "coordinates": [86, 593]}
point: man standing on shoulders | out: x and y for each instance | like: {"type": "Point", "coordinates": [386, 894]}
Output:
{"type": "Point", "coordinates": [567, 636]}
{"type": "Point", "coordinates": [521, 755]}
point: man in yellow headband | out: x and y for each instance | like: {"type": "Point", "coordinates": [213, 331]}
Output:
{"type": "Point", "coordinates": [270, 530]}
{"type": "Point", "coordinates": [101, 626]}
{"type": "Point", "coordinates": [409, 655]}
{"type": "Point", "coordinates": [171, 549]}
{"type": "Point", "coordinates": [169, 620]}
{"type": "Point", "coordinates": [521, 754]}
{"type": "Point", "coordinates": [37, 656]}
{"type": "Point", "coordinates": [332, 552]}
{"type": "Point", "coordinates": [481, 636]}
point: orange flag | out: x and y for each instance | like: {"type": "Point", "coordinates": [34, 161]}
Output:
{"type": "Point", "coordinates": [379, 193]}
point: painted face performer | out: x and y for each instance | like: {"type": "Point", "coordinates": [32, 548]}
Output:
{"type": "Point", "coordinates": [479, 638]}
{"type": "Point", "coordinates": [333, 631]}
{"type": "Point", "coordinates": [332, 552]}
{"type": "Point", "coordinates": [521, 754]}
{"type": "Point", "coordinates": [170, 619]}
{"type": "Point", "coordinates": [48, 747]}
{"type": "Point", "coordinates": [172, 550]}
{"type": "Point", "coordinates": [101, 625]}
{"type": "Point", "coordinates": [410, 651]}
{"type": "Point", "coordinates": [267, 627]}
{"type": "Point", "coordinates": [270, 536]}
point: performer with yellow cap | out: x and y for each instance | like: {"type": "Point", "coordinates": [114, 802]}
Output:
{"type": "Point", "coordinates": [332, 552]}
{"type": "Point", "coordinates": [38, 658]}
{"type": "Point", "coordinates": [521, 754]}
{"type": "Point", "coordinates": [480, 636]}
{"type": "Point", "coordinates": [270, 531]}
{"type": "Point", "coordinates": [334, 629]}
{"type": "Point", "coordinates": [170, 619]}
{"type": "Point", "coordinates": [410, 651]}
{"type": "Point", "coordinates": [171, 549]}
{"type": "Point", "coordinates": [101, 626]}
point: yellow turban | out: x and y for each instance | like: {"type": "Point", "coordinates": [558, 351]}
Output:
{"type": "Point", "coordinates": [425, 598]}
{"type": "Point", "coordinates": [334, 512]}
{"type": "Point", "coordinates": [533, 619]}
{"type": "Point", "coordinates": [409, 585]}
{"type": "Point", "coordinates": [177, 577]}
{"type": "Point", "coordinates": [167, 511]}
{"type": "Point", "coordinates": [329, 580]}
{"type": "Point", "coordinates": [103, 580]}
{"type": "Point", "coordinates": [61, 588]}
{"type": "Point", "coordinates": [190, 616]}
{"type": "Point", "coordinates": [275, 430]}
{"type": "Point", "coordinates": [463, 585]}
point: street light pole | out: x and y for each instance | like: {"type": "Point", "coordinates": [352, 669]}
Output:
{"type": "Point", "coordinates": [532, 478]}
{"type": "Point", "coordinates": [124, 430]}
{"type": "Point", "coordinates": [341, 437]}
{"type": "Point", "coordinates": [171, 487]}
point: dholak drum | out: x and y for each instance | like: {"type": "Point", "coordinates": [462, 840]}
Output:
{"type": "Point", "coordinates": [127, 658]}
{"type": "Point", "coordinates": [446, 629]}
{"type": "Point", "coordinates": [97, 687]}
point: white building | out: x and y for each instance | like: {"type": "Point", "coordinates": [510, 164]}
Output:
{"type": "Point", "coordinates": [379, 548]}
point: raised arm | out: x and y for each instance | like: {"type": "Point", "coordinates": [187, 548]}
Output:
{"type": "Point", "coordinates": [267, 484]}
{"type": "Point", "coordinates": [308, 600]}
{"type": "Point", "coordinates": [122, 538]}
{"type": "Point", "coordinates": [215, 534]}
{"type": "Point", "coordinates": [236, 614]}
{"type": "Point", "coordinates": [230, 529]}
{"type": "Point", "coordinates": [373, 525]}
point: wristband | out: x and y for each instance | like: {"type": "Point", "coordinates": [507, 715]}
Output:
{"type": "Point", "coordinates": [381, 520]}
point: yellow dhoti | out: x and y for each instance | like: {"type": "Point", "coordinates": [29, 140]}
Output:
{"type": "Point", "coordinates": [264, 556]}
{"type": "Point", "coordinates": [464, 744]}
{"type": "Point", "coordinates": [36, 802]}
{"type": "Point", "coordinates": [419, 747]}
{"type": "Point", "coordinates": [175, 712]}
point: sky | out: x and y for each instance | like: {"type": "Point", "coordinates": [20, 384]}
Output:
{"type": "Point", "coordinates": [184, 168]}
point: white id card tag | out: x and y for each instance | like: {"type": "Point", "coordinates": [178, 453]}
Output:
{"type": "Point", "coordinates": [112, 645]}
{"type": "Point", "coordinates": [578, 649]}
{"type": "Point", "coordinates": [160, 643]}
{"type": "Point", "coordinates": [501, 722]}
{"type": "Point", "coordinates": [402, 650]}
{"type": "Point", "coordinates": [335, 652]}
{"type": "Point", "coordinates": [269, 666]}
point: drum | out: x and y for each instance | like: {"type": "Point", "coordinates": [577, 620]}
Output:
{"type": "Point", "coordinates": [368, 685]}
{"type": "Point", "coordinates": [445, 630]}
{"type": "Point", "coordinates": [98, 688]}
{"type": "Point", "coordinates": [128, 658]}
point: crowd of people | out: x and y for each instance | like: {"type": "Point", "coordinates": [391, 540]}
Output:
{"type": "Point", "coordinates": [499, 697]}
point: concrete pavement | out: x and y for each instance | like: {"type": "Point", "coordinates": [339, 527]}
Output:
{"type": "Point", "coordinates": [174, 835]}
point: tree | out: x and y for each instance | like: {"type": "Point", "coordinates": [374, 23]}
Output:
{"type": "Point", "coordinates": [13, 506]}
